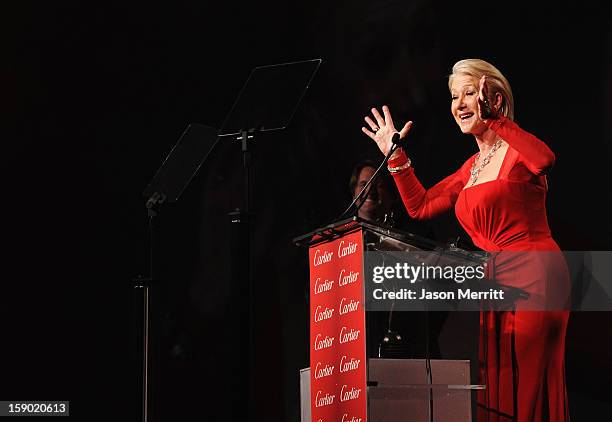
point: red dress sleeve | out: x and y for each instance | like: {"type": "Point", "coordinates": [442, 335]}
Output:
{"type": "Point", "coordinates": [534, 153]}
{"type": "Point", "coordinates": [422, 203]}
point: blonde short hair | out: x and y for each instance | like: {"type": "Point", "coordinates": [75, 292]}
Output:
{"type": "Point", "coordinates": [495, 80]}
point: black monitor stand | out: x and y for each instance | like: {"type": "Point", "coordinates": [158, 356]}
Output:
{"type": "Point", "coordinates": [267, 102]}
{"type": "Point", "coordinates": [180, 166]}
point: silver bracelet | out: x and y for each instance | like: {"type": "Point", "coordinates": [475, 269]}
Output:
{"type": "Point", "coordinates": [400, 168]}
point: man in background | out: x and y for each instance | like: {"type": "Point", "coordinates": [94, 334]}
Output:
{"type": "Point", "coordinates": [378, 205]}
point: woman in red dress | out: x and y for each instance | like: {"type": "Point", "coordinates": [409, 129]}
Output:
{"type": "Point", "coordinates": [499, 198]}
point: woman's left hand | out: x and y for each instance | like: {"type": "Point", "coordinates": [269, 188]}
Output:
{"type": "Point", "coordinates": [485, 108]}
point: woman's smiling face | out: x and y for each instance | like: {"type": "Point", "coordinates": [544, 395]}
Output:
{"type": "Point", "coordinates": [464, 104]}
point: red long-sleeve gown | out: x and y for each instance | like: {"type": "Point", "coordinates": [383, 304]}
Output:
{"type": "Point", "coordinates": [521, 352]}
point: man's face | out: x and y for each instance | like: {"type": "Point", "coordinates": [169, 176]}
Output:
{"type": "Point", "coordinates": [377, 201]}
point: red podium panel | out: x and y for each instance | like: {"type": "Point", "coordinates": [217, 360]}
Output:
{"type": "Point", "coordinates": [337, 330]}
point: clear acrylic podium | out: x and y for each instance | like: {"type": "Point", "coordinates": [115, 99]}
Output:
{"type": "Point", "coordinates": [398, 391]}
{"type": "Point", "coordinates": [373, 388]}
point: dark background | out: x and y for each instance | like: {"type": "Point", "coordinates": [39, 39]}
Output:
{"type": "Point", "coordinates": [94, 95]}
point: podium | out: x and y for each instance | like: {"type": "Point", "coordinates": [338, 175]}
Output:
{"type": "Point", "coordinates": [347, 379]}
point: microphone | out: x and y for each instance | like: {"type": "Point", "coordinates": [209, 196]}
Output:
{"type": "Point", "coordinates": [397, 141]}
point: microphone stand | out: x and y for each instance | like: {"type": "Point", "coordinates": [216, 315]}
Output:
{"type": "Point", "coordinates": [143, 285]}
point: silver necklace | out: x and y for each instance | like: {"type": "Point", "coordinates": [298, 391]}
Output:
{"type": "Point", "coordinates": [475, 171]}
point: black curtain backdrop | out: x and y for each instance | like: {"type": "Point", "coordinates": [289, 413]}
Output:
{"type": "Point", "coordinates": [94, 96]}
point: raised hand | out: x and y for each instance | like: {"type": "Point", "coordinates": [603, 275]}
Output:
{"type": "Point", "coordinates": [382, 129]}
{"type": "Point", "coordinates": [485, 108]}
